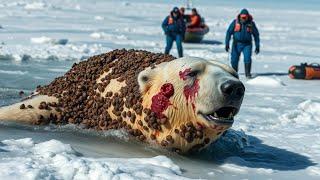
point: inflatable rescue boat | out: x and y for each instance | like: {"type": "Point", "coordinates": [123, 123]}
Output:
{"type": "Point", "coordinates": [195, 35]}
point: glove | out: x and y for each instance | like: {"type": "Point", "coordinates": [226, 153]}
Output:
{"type": "Point", "coordinates": [227, 48]}
{"type": "Point", "coordinates": [257, 51]}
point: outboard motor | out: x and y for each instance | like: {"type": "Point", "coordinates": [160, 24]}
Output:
{"type": "Point", "coordinates": [305, 71]}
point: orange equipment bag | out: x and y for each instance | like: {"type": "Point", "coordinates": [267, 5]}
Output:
{"type": "Point", "coordinates": [305, 71]}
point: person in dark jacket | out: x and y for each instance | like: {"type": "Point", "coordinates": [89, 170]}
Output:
{"type": "Point", "coordinates": [242, 29]}
{"type": "Point", "coordinates": [183, 15]}
{"type": "Point", "coordinates": [174, 27]}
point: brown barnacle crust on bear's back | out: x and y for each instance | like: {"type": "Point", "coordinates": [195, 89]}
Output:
{"type": "Point", "coordinates": [80, 99]}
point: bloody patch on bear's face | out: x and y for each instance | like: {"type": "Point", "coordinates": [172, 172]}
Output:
{"type": "Point", "coordinates": [160, 101]}
{"type": "Point", "coordinates": [183, 74]}
{"type": "Point", "coordinates": [167, 90]}
{"type": "Point", "coordinates": [190, 91]}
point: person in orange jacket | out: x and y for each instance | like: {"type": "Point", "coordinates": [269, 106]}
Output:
{"type": "Point", "coordinates": [243, 28]}
{"type": "Point", "coordinates": [195, 19]}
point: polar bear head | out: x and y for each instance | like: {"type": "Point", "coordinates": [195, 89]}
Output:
{"type": "Point", "coordinates": [197, 99]}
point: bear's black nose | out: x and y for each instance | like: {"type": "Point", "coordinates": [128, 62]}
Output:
{"type": "Point", "coordinates": [233, 89]}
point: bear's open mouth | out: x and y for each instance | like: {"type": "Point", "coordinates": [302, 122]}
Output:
{"type": "Point", "coordinates": [223, 115]}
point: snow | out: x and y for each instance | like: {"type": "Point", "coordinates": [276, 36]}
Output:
{"type": "Point", "coordinates": [314, 171]}
{"type": "Point", "coordinates": [55, 160]}
{"type": "Point", "coordinates": [307, 113]}
{"type": "Point", "coordinates": [274, 136]}
{"type": "Point", "coordinates": [13, 72]}
{"type": "Point", "coordinates": [102, 35]}
{"type": "Point", "coordinates": [265, 81]}
{"type": "Point", "coordinates": [97, 35]}
{"type": "Point", "coordinates": [46, 49]}
{"type": "Point", "coordinates": [41, 40]}
{"type": "Point", "coordinates": [35, 6]}
{"type": "Point", "coordinates": [48, 40]}
{"type": "Point", "coordinates": [99, 18]}
{"type": "Point", "coordinates": [234, 169]}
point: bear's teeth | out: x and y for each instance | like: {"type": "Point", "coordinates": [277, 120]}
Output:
{"type": "Point", "coordinates": [215, 116]}
{"type": "Point", "coordinates": [212, 117]}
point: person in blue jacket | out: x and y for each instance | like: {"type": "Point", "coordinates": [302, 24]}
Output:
{"type": "Point", "coordinates": [242, 29]}
{"type": "Point", "coordinates": [174, 28]}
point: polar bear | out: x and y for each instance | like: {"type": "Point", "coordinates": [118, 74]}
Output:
{"type": "Point", "coordinates": [180, 104]}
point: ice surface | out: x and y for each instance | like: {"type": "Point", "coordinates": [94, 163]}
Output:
{"type": "Point", "coordinates": [41, 40]}
{"type": "Point", "coordinates": [13, 72]}
{"type": "Point", "coordinates": [307, 113]}
{"type": "Point", "coordinates": [25, 159]}
{"type": "Point", "coordinates": [99, 18]}
{"type": "Point", "coordinates": [274, 136]}
{"type": "Point", "coordinates": [35, 6]}
{"type": "Point", "coordinates": [49, 49]}
{"type": "Point", "coordinates": [265, 81]}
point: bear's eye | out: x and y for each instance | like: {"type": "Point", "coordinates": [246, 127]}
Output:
{"type": "Point", "coordinates": [193, 74]}
{"type": "Point", "coordinates": [144, 78]}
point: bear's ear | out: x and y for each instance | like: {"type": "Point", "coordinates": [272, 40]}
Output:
{"type": "Point", "coordinates": [145, 79]}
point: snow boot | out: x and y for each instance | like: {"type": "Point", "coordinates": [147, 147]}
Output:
{"type": "Point", "coordinates": [247, 68]}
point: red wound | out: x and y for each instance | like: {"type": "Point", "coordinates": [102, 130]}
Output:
{"type": "Point", "coordinates": [167, 90]}
{"type": "Point", "coordinates": [183, 74]}
{"type": "Point", "coordinates": [160, 101]}
{"type": "Point", "coordinates": [190, 92]}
